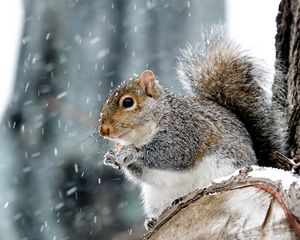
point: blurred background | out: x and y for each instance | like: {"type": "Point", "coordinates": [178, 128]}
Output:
{"type": "Point", "coordinates": [59, 59]}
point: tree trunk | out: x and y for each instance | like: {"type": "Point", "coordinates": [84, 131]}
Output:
{"type": "Point", "coordinates": [288, 55]}
{"type": "Point", "coordinates": [254, 204]}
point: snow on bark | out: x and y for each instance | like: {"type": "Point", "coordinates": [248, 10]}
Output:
{"type": "Point", "coordinates": [259, 202]}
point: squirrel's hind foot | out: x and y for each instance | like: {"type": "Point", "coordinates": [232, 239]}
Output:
{"type": "Point", "coordinates": [150, 222]}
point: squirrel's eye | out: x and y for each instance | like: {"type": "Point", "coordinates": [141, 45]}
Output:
{"type": "Point", "coordinates": [127, 102]}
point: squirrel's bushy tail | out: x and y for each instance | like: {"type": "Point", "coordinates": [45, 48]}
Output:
{"type": "Point", "coordinates": [217, 70]}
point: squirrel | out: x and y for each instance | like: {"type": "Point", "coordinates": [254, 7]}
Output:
{"type": "Point", "coordinates": [171, 145]}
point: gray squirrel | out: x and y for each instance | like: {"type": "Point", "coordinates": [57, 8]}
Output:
{"type": "Point", "coordinates": [171, 145]}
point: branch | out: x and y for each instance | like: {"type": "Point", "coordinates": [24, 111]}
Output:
{"type": "Point", "coordinates": [255, 202]}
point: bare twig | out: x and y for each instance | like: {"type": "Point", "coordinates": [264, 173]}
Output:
{"type": "Point", "coordinates": [283, 161]}
{"type": "Point", "coordinates": [268, 214]}
{"type": "Point", "coordinates": [223, 231]}
{"type": "Point", "coordinates": [288, 164]}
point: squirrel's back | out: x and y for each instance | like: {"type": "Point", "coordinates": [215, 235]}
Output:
{"type": "Point", "coordinates": [219, 71]}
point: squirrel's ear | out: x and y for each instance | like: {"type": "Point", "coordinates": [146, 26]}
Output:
{"type": "Point", "coordinates": [147, 81]}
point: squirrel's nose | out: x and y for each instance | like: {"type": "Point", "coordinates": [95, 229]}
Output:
{"type": "Point", "coordinates": [106, 129]}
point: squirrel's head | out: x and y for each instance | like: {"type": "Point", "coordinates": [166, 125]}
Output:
{"type": "Point", "coordinates": [128, 115]}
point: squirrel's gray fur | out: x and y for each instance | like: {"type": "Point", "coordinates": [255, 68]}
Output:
{"type": "Point", "coordinates": [228, 122]}
{"type": "Point", "coordinates": [246, 89]}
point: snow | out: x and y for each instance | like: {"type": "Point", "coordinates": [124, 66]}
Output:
{"type": "Point", "coordinates": [26, 103]}
{"type": "Point", "coordinates": [274, 174]}
{"type": "Point", "coordinates": [101, 54]}
{"type": "Point", "coordinates": [59, 206]}
{"type": "Point", "coordinates": [55, 152]}
{"type": "Point", "coordinates": [76, 168]}
{"type": "Point", "coordinates": [94, 40]}
{"type": "Point", "coordinates": [26, 87]}
{"type": "Point", "coordinates": [6, 205]}
{"type": "Point", "coordinates": [35, 154]}
{"type": "Point", "coordinates": [61, 95]}
{"type": "Point", "coordinates": [47, 36]}
{"type": "Point", "coordinates": [285, 177]}
{"type": "Point", "coordinates": [225, 178]}
{"type": "Point", "coordinates": [71, 191]}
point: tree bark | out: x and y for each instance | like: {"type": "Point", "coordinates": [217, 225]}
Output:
{"type": "Point", "coordinates": [288, 55]}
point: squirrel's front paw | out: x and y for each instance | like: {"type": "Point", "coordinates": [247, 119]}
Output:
{"type": "Point", "coordinates": [126, 155]}
{"type": "Point", "coordinates": [110, 159]}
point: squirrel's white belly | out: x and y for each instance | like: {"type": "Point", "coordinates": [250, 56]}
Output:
{"type": "Point", "coordinates": [160, 188]}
